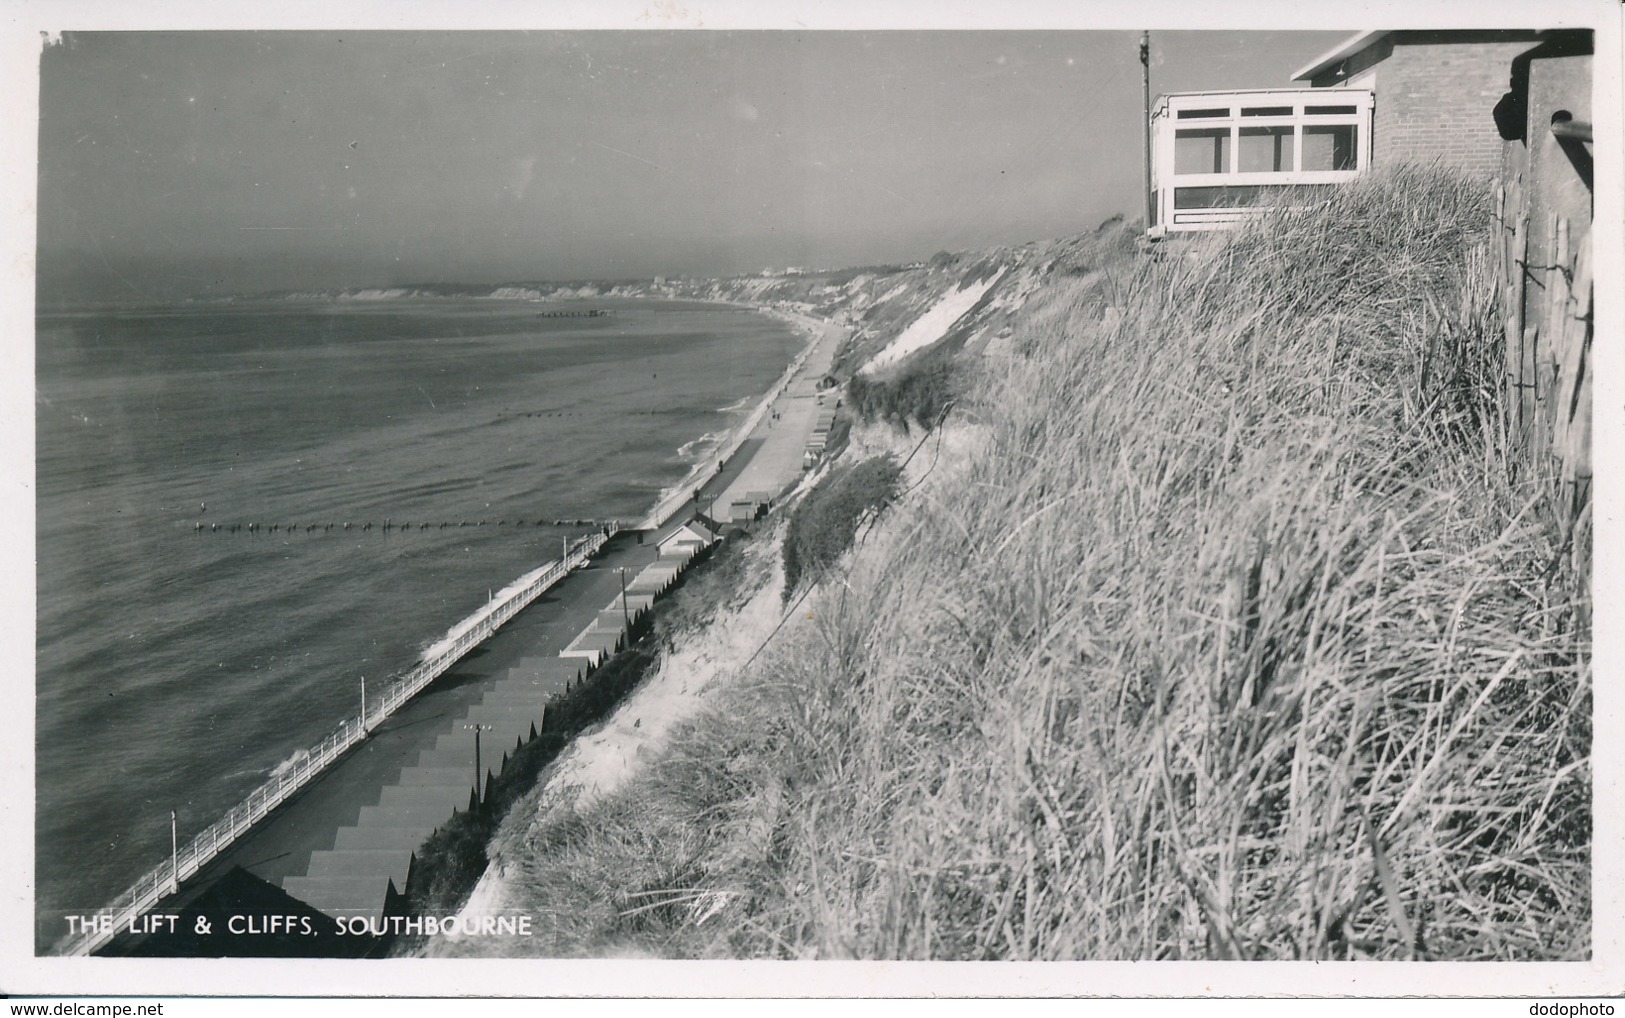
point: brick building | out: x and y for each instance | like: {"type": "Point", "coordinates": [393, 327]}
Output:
{"type": "Point", "coordinates": [1474, 100]}
{"type": "Point", "coordinates": [1482, 101]}
{"type": "Point", "coordinates": [1440, 93]}
{"type": "Point", "coordinates": [1514, 106]}
{"type": "Point", "coordinates": [1436, 92]}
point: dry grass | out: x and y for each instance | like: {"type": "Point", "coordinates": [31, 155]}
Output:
{"type": "Point", "coordinates": [1244, 634]}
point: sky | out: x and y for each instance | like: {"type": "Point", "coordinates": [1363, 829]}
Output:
{"type": "Point", "coordinates": [177, 164]}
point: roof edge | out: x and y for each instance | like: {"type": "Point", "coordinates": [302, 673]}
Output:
{"type": "Point", "coordinates": [1342, 51]}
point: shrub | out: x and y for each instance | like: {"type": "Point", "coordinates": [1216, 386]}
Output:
{"type": "Point", "coordinates": [920, 390]}
{"type": "Point", "coordinates": [822, 526]}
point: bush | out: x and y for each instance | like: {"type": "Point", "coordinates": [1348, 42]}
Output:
{"type": "Point", "coordinates": [920, 390]}
{"type": "Point", "coordinates": [822, 526]}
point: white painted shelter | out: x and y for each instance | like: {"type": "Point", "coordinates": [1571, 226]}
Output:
{"type": "Point", "coordinates": [1218, 157]}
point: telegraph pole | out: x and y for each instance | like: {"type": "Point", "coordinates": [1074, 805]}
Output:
{"type": "Point", "coordinates": [479, 771]}
{"type": "Point", "coordinates": [174, 853]}
{"type": "Point", "coordinates": [1145, 124]}
{"type": "Point", "coordinates": [626, 613]}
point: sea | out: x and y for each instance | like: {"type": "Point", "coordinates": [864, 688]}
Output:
{"type": "Point", "coordinates": [181, 657]}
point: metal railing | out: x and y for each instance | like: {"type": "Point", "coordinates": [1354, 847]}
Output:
{"type": "Point", "coordinates": [217, 837]}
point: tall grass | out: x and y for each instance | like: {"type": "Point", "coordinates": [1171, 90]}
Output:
{"type": "Point", "coordinates": [1243, 634]}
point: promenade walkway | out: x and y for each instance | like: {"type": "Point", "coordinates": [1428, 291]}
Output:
{"type": "Point", "coordinates": [774, 463]}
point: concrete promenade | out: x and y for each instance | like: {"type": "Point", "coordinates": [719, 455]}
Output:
{"type": "Point", "coordinates": [782, 463]}
{"type": "Point", "coordinates": [775, 462]}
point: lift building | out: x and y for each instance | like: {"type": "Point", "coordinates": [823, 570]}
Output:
{"type": "Point", "coordinates": [1376, 99]}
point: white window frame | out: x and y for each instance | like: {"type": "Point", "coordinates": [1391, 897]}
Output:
{"type": "Point", "coordinates": [1165, 121]}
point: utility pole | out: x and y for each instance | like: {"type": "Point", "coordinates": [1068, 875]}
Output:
{"type": "Point", "coordinates": [174, 854]}
{"type": "Point", "coordinates": [363, 704]}
{"type": "Point", "coordinates": [1145, 124]}
{"type": "Point", "coordinates": [626, 614]}
{"type": "Point", "coordinates": [479, 772]}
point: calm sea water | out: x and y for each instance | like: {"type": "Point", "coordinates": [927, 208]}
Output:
{"type": "Point", "coordinates": [176, 670]}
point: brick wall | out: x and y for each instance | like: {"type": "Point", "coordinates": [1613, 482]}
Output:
{"type": "Point", "coordinates": [1435, 100]}
{"type": "Point", "coordinates": [1435, 93]}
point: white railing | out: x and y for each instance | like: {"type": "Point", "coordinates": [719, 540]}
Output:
{"type": "Point", "coordinates": [216, 838]}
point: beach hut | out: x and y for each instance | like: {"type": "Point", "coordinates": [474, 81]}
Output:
{"type": "Point", "coordinates": [686, 540]}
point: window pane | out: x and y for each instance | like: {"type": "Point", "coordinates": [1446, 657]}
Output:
{"type": "Point", "coordinates": [1326, 111]}
{"type": "Point", "coordinates": [1203, 114]}
{"type": "Point", "coordinates": [1330, 147]}
{"type": "Point", "coordinates": [1202, 150]}
{"type": "Point", "coordinates": [1266, 111]}
{"type": "Point", "coordinates": [1236, 196]}
{"type": "Point", "coordinates": [1216, 197]}
{"type": "Point", "coordinates": [1265, 149]}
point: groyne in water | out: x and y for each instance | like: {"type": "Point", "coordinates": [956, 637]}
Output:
{"type": "Point", "coordinates": [91, 931]}
{"type": "Point", "coordinates": [388, 525]}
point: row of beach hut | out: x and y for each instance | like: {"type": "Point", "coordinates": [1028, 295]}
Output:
{"type": "Point", "coordinates": [611, 630]}
{"type": "Point", "coordinates": [819, 442]}
{"type": "Point", "coordinates": [368, 869]}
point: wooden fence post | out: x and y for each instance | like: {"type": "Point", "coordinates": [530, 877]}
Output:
{"type": "Point", "coordinates": [1554, 313]}
{"type": "Point", "coordinates": [1514, 325]}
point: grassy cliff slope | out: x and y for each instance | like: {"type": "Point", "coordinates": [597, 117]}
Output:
{"type": "Point", "coordinates": [1240, 630]}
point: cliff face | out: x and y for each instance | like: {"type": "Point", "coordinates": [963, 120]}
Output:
{"type": "Point", "coordinates": [960, 300]}
{"type": "Point", "coordinates": [1223, 623]}
{"type": "Point", "coordinates": [953, 301]}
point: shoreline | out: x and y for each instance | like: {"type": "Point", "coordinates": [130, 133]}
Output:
{"type": "Point", "coordinates": [818, 331]}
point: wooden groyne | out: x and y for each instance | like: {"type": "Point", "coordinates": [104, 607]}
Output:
{"type": "Point", "coordinates": [391, 525]}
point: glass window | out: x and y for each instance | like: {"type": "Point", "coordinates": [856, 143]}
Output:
{"type": "Point", "coordinates": [1266, 111]}
{"type": "Point", "coordinates": [1241, 195]}
{"type": "Point", "coordinates": [1265, 149]}
{"type": "Point", "coordinates": [1216, 197]}
{"type": "Point", "coordinates": [1330, 147]}
{"type": "Point", "coordinates": [1202, 150]}
{"type": "Point", "coordinates": [1203, 114]}
{"type": "Point", "coordinates": [1328, 111]}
